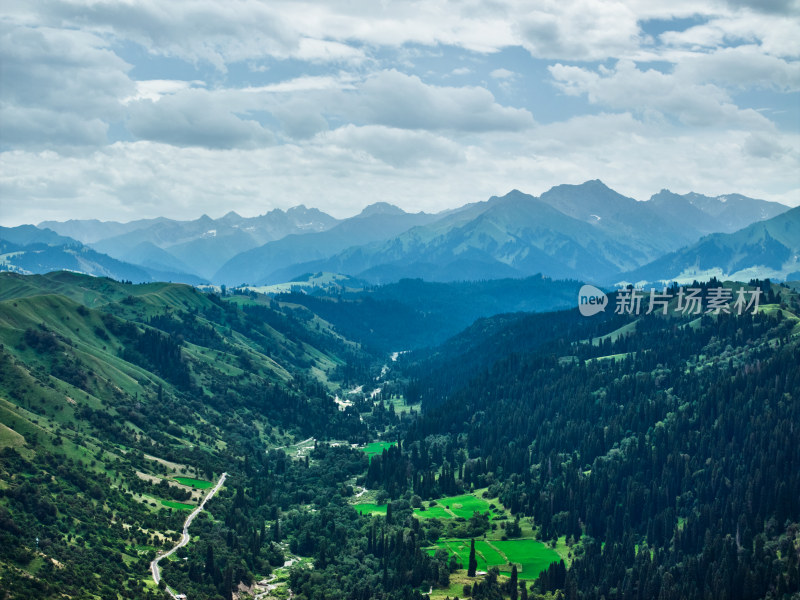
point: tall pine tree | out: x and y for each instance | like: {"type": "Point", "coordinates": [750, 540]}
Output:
{"type": "Point", "coordinates": [473, 564]}
{"type": "Point", "coordinates": [512, 583]}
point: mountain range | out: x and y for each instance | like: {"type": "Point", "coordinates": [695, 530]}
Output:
{"type": "Point", "coordinates": [28, 249]}
{"type": "Point", "coordinates": [768, 248]}
{"type": "Point", "coordinates": [586, 232]}
{"type": "Point", "coordinates": [198, 247]}
{"type": "Point", "coordinates": [278, 261]}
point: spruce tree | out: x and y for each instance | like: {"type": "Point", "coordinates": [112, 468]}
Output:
{"type": "Point", "coordinates": [512, 584]}
{"type": "Point", "coordinates": [473, 564]}
{"type": "Point", "coordinates": [209, 560]}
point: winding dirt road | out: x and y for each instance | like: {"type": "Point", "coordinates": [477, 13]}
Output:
{"type": "Point", "coordinates": [185, 537]}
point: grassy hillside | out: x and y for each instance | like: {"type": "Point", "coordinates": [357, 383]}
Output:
{"type": "Point", "coordinates": [119, 404]}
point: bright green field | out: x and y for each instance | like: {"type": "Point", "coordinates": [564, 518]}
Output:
{"type": "Point", "coordinates": [195, 483]}
{"type": "Point", "coordinates": [434, 512]}
{"type": "Point", "coordinates": [370, 509]}
{"type": "Point", "coordinates": [461, 549]}
{"type": "Point", "coordinates": [178, 505]}
{"type": "Point", "coordinates": [533, 556]}
{"type": "Point", "coordinates": [460, 506]}
{"type": "Point", "coordinates": [376, 448]}
{"type": "Point", "coordinates": [530, 556]}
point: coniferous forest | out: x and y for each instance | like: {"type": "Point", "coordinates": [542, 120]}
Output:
{"type": "Point", "coordinates": [529, 456]}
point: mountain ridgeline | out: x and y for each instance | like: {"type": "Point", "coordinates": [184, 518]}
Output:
{"type": "Point", "coordinates": [585, 232]}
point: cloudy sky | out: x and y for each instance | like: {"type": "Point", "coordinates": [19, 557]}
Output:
{"type": "Point", "coordinates": [129, 109]}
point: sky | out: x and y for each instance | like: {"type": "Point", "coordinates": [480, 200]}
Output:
{"type": "Point", "coordinates": [120, 110]}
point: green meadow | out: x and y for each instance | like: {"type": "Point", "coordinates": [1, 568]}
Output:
{"type": "Point", "coordinates": [200, 484]}
{"type": "Point", "coordinates": [376, 448]}
{"type": "Point", "coordinates": [434, 512]}
{"type": "Point", "coordinates": [369, 508]}
{"type": "Point", "coordinates": [531, 556]}
{"type": "Point", "coordinates": [177, 505]}
{"type": "Point", "coordinates": [458, 506]}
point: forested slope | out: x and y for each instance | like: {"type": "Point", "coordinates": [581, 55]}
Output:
{"type": "Point", "coordinates": [679, 437]}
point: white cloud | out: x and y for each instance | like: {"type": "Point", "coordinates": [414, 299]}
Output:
{"type": "Point", "coordinates": [217, 32]}
{"type": "Point", "coordinates": [395, 147]}
{"type": "Point", "coordinates": [762, 146]}
{"type": "Point", "coordinates": [779, 7]}
{"type": "Point", "coordinates": [675, 9]}
{"type": "Point", "coordinates": [743, 67]}
{"type": "Point", "coordinates": [774, 35]}
{"type": "Point", "coordinates": [24, 127]}
{"type": "Point", "coordinates": [397, 100]}
{"type": "Point", "coordinates": [59, 86]}
{"type": "Point", "coordinates": [308, 84]}
{"type": "Point", "coordinates": [503, 74]}
{"type": "Point", "coordinates": [652, 92]}
{"type": "Point", "coordinates": [300, 117]}
{"type": "Point", "coordinates": [343, 170]}
{"type": "Point", "coordinates": [578, 30]}
{"type": "Point", "coordinates": [314, 50]}
{"type": "Point", "coordinates": [632, 157]}
{"type": "Point", "coordinates": [221, 33]}
{"type": "Point", "coordinates": [195, 117]}
{"type": "Point", "coordinates": [225, 118]}
{"type": "Point", "coordinates": [154, 89]}
{"type": "Point", "coordinates": [345, 32]}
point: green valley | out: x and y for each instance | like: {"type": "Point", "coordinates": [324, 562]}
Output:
{"type": "Point", "coordinates": [119, 402]}
{"type": "Point", "coordinates": [353, 473]}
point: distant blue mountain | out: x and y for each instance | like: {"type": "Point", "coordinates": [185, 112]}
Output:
{"type": "Point", "coordinates": [284, 259]}
{"type": "Point", "coordinates": [198, 247]}
{"type": "Point", "coordinates": [28, 249]}
{"type": "Point", "coordinates": [587, 231]}
{"type": "Point", "coordinates": [768, 248]}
